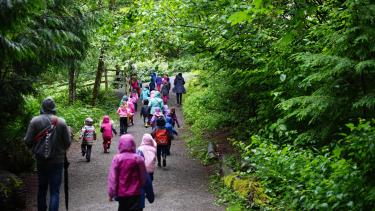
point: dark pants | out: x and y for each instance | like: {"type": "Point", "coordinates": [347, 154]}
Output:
{"type": "Point", "coordinates": [86, 149]}
{"type": "Point", "coordinates": [151, 176]}
{"type": "Point", "coordinates": [179, 98]}
{"type": "Point", "coordinates": [161, 151]}
{"type": "Point", "coordinates": [49, 175]}
{"type": "Point", "coordinates": [106, 143]}
{"type": "Point", "coordinates": [123, 125]}
{"type": "Point", "coordinates": [130, 203]}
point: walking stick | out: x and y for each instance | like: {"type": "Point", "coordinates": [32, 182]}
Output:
{"type": "Point", "coordinates": [66, 182]}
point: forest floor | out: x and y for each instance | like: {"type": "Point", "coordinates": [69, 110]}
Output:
{"type": "Point", "coordinates": [181, 185]}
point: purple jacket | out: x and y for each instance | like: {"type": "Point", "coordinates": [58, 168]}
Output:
{"type": "Point", "coordinates": [127, 174]}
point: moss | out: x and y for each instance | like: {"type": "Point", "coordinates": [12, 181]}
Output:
{"type": "Point", "coordinates": [247, 187]}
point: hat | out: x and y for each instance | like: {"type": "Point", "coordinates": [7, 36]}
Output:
{"type": "Point", "coordinates": [48, 106]}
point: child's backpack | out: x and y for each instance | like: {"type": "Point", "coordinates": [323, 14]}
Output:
{"type": "Point", "coordinates": [164, 90]}
{"type": "Point", "coordinates": [161, 136]}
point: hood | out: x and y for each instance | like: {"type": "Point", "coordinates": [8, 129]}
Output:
{"type": "Point", "coordinates": [106, 119]}
{"type": "Point", "coordinates": [148, 140]}
{"type": "Point", "coordinates": [127, 143]}
{"type": "Point", "coordinates": [48, 106]}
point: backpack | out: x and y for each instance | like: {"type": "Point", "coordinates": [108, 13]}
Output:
{"type": "Point", "coordinates": [42, 147]}
{"type": "Point", "coordinates": [161, 136]}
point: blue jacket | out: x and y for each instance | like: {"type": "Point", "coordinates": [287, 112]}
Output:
{"type": "Point", "coordinates": [147, 192]}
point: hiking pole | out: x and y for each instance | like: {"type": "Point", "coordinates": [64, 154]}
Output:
{"type": "Point", "coordinates": [66, 182]}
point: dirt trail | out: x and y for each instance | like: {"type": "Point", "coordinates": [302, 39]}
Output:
{"type": "Point", "coordinates": [182, 185]}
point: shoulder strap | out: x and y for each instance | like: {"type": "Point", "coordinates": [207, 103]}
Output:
{"type": "Point", "coordinates": [53, 123]}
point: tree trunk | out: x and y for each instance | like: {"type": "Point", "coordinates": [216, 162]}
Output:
{"type": "Point", "coordinates": [117, 77]}
{"type": "Point", "coordinates": [98, 77]}
{"type": "Point", "coordinates": [72, 83]}
{"type": "Point", "coordinates": [106, 79]}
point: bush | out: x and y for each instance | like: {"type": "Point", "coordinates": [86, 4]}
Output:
{"type": "Point", "coordinates": [299, 179]}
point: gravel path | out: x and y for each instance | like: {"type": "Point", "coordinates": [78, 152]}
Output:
{"type": "Point", "coordinates": [182, 185]}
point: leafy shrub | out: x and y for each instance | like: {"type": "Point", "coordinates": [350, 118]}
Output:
{"type": "Point", "coordinates": [302, 179]}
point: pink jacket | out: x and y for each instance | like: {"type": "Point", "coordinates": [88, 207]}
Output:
{"type": "Point", "coordinates": [107, 127]}
{"type": "Point", "coordinates": [127, 174]}
{"type": "Point", "coordinates": [148, 147]}
{"type": "Point", "coordinates": [131, 108]}
{"type": "Point", "coordinates": [122, 111]}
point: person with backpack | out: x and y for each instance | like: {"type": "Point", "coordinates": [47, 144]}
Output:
{"type": "Point", "coordinates": [148, 149]}
{"type": "Point", "coordinates": [107, 130]}
{"type": "Point", "coordinates": [165, 92]}
{"type": "Point", "coordinates": [87, 137]}
{"type": "Point", "coordinates": [51, 129]}
{"type": "Point", "coordinates": [127, 175]}
{"type": "Point", "coordinates": [161, 136]}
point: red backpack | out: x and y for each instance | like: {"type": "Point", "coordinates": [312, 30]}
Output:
{"type": "Point", "coordinates": [161, 136]}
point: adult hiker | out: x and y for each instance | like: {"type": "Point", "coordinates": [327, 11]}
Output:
{"type": "Point", "coordinates": [49, 137]}
{"type": "Point", "coordinates": [127, 175]}
{"type": "Point", "coordinates": [179, 88]}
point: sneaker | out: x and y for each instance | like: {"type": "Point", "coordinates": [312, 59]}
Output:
{"type": "Point", "coordinates": [164, 162]}
{"type": "Point", "coordinates": [88, 159]}
{"type": "Point", "coordinates": [83, 153]}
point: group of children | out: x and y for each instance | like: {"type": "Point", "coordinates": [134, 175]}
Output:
{"type": "Point", "coordinates": [137, 174]}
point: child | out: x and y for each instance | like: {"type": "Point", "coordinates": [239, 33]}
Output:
{"type": "Point", "coordinates": [127, 175]}
{"type": "Point", "coordinates": [173, 115]}
{"type": "Point", "coordinates": [123, 99]}
{"type": "Point", "coordinates": [161, 136]}
{"type": "Point", "coordinates": [145, 113]}
{"type": "Point", "coordinates": [157, 114]}
{"type": "Point", "coordinates": [134, 97]}
{"type": "Point", "coordinates": [131, 111]}
{"type": "Point", "coordinates": [122, 111]}
{"type": "Point", "coordinates": [106, 129]}
{"type": "Point", "coordinates": [145, 94]}
{"type": "Point", "coordinates": [158, 82]}
{"type": "Point", "coordinates": [166, 111]}
{"type": "Point", "coordinates": [165, 92]}
{"type": "Point", "coordinates": [87, 137]}
{"type": "Point", "coordinates": [148, 149]}
{"type": "Point", "coordinates": [171, 133]}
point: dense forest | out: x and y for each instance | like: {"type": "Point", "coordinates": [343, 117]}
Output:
{"type": "Point", "coordinates": [290, 82]}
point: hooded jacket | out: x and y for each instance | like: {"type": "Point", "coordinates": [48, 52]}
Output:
{"type": "Point", "coordinates": [106, 127]}
{"type": "Point", "coordinates": [127, 173]}
{"type": "Point", "coordinates": [148, 147]}
{"type": "Point", "coordinates": [179, 84]}
{"type": "Point", "coordinates": [156, 102]}
{"type": "Point", "coordinates": [145, 93]}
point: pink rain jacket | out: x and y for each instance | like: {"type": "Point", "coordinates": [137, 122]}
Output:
{"type": "Point", "coordinates": [122, 111]}
{"type": "Point", "coordinates": [107, 127]}
{"type": "Point", "coordinates": [127, 174]}
{"type": "Point", "coordinates": [148, 147]}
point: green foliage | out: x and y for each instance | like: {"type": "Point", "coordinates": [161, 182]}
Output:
{"type": "Point", "coordinates": [11, 189]}
{"type": "Point", "coordinates": [302, 179]}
